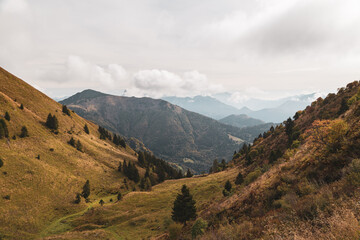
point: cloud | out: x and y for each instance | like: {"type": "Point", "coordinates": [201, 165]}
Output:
{"type": "Point", "coordinates": [159, 83]}
{"type": "Point", "coordinates": [13, 6]}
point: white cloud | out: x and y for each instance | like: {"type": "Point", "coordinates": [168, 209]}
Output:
{"type": "Point", "coordinates": [159, 83]}
{"type": "Point", "coordinates": [13, 6]}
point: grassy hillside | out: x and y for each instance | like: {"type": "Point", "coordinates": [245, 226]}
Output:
{"type": "Point", "coordinates": [42, 173]}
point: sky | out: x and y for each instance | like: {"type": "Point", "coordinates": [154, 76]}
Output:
{"type": "Point", "coordinates": [250, 48]}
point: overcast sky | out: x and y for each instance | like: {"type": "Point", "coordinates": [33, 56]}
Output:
{"type": "Point", "coordinates": [182, 47]}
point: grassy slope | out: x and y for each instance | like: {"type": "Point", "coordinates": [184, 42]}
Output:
{"type": "Point", "coordinates": [42, 190]}
{"type": "Point", "coordinates": [140, 215]}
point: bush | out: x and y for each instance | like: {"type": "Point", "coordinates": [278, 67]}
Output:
{"type": "Point", "coordinates": [77, 198]}
{"type": "Point", "coordinates": [24, 132]}
{"type": "Point", "coordinates": [198, 228]}
{"type": "Point", "coordinates": [252, 176]}
{"type": "Point", "coordinates": [353, 176]}
{"type": "Point", "coordinates": [175, 230]}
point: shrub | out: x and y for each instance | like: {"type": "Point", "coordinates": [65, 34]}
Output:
{"type": "Point", "coordinates": [225, 193]}
{"type": "Point", "coordinates": [24, 132]}
{"type": "Point", "coordinates": [198, 228]}
{"type": "Point", "coordinates": [353, 176]}
{"type": "Point", "coordinates": [252, 176]}
{"type": "Point", "coordinates": [175, 230]}
{"type": "Point", "coordinates": [77, 198]}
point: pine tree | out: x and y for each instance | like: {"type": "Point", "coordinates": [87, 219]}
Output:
{"type": "Point", "coordinates": [184, 206]}
{"type": "Point", "coordinates": [79, 146]}
{"type": "Point", "coordinates": [24, 132]}
{"type": "Point", "coordinates": [22, 107]}
{"type": "Point", "coordinates": [189, 174]}
{"type": "Point", "coordinates": [119, 196]}
{"type": "Point", "coordinates": [52, 122]}
{"type": "Point", "coordinates": [239, 179]}
{"type": "Point", "coordinates": [86, 129]}
{"type": "Point", "coordinates": [65, 110]}
{"type": "Point", "coordinates": [7, 116]}
{"type": "Point", "coordinates": [72, 142]}
{"type": "Point", "coordinates": [86, 189]}
{"type": "Point", "coordinates": [122, 143]}
{"type": "Point", "coordinates": [4, 132]}
{"type": "Point", "coordinates": [119, 167]}
{"type": "Point", "coordinates": [77, 198]}
{"type": "Point", "coordinates": [101, 202]}
{"type": "Point", "coordinates": [228, 186]}
{"type": "Point", "coordinates": [1, 163]}
{"type": "Point", "coordinates": [141, 158]}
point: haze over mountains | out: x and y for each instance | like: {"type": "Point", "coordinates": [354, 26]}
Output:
{"type": "Point", "coordinates": [219, 106]}
{"type": "Point", "coordinates": [172, 133]}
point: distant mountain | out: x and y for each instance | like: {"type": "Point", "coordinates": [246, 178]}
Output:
{"type": "Point", "coordinates": [207, 106]}
{"type": "Point", "coordinates": [171, 132]}
{"type": "Point", "coordinates": [241, 121]}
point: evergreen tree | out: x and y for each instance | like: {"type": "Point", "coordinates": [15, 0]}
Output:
{"type": "Point", "coordinates": [79, 146]}
{"type": "Point", "coordinates": [65, 110]}
{"type": "Point", "coordinates": [101, 202]}
{"type": "Point", "coordinates": [215, 167]}
{"type": "Point", "coordinates": [228, 186]}
{"type": "Point", "coordinates": [343, 107]}
{"type": "Point", "coordinates": [148, 184]}
{"type": "Point", "coordinates": [189, 174]}
{"type": "Point", "coordinates": [77, 198]}
{"type": "Point", "coordinates": [86, 129]}
{"type": "Point", "coordinates": [86, 189]}
{"type": "Point", "coordinates": [7, 116]}
{"type": "Point", "coordinates": [4, 132]}
{"type": "Point", "coordinates": [223, 164]}
{"type": "Point", "coordinates": [72, 142]}
{"type": "Point", "coordinates": [22, 107]}
{"type": "Point", "coordinates": [24, 132]}
{"type": "Point", "coordinates": [136, 176]}
{"type": "Point", "coordinates": [141, 159]}
{"type": "Point", "coordinates": [239, 179]}
{"type": "Point", "coordinates": [184, 206]}
{"type": "Point", "coordinates": [119, 167]}
{"type": "Point", "coordinates": [119, 196]}
{"type": "Point", "coordinates": [52, 122]}
{"type": "Point", "coordinates": [1, 163]}
{"type": "Point", "coordinates": [122, 143]}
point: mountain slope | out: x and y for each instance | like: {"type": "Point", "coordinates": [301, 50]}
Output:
{"type": "Point", "coordinates": [203, 105]}
{"type": "Point", "coordinates": [42, 173]}
{"type": "Point", "coordinates": [241, 121]}
{"type": "Point", "coordinates": [175, 134]}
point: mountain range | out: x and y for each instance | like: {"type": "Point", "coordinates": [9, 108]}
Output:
{"type": "Point", "coordinates": [177, 135]}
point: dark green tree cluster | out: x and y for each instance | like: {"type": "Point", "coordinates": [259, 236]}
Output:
{"type": "Point", "coordinates": [24, 132]}
{"type": "Point", "coordinates": [145, 184]}
{"type": "Point", "coordinates": [245, 150]}
{"type": "Point", "coordinates": [65, 110]}
{"type": "Point", "coordinates": [76, 144]}
{"type": "Point", "coordinates": [86, 189]}
{"type": "Point", "coordinates": [131, 171]}
{"type": "Point", "coordinates": [119, 141]}
{"type": "Point", "coordinates": [291, 131]}
{"type": "Point", "coordinates": [274, 155]}
{"type": "Point", "coordinates": [86, 129]}
{"type": "Point", "coordinates": [4, 132]}
{"type": "Point", "coordinates": [184, 207]}
{"type": "Point", "coordinates": [218, 167]}
{"type": "Point", "coordinates": [104, 134]}
{"type": "Point", "coordinates": [7, 116]}
{"type": "Point", "coordinates": [343, 106]}
{"type": "Point", "coordinates": [52, 122]}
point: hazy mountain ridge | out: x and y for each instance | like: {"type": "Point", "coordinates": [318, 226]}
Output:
{"type": "Point", "coordinates": [169, 131]}
{"type": "Point", "coordinates": [241, 120]}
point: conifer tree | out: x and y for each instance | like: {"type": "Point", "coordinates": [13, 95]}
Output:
{"type": "Point", "coordinates": [78, 198]}
{"type": "Point", "coordinates": [22, 107]}
{"type": "Point", "coordinates": [86, 129]}
{"type": "Point", "coordinates": [141, 158]}
{"type": "Point", "coordinates": [7, 116]}
{"type": "Point", "coordinates": [122, 143]}
{"type": "Point", "coordinates": [119, 196]}
{"type": "Point", "coordinates": [119, 167]}
{"type": "Point", "coordinates": [24, 132]}
{"type": "Point", "coordinates": [228, 186]}
{"type": "Point", "coordinates": [101, 202]}
{"type": "Point", "coordinates": [239, 179]}
{"type": "Point", "coordinates": [65, 110]}
{"type": "Point", "coordinates": [1, 163]}
{"type": "Point", "coordinates": [86, 189]}
{"type": "Point", "coordinates": [189, 174]}
{"type": "Point", "coordinates": [4, 132]}
{"type": "Point", "coordinates": [79, 146]}
{"type": "Point", "coordinates": [72, 142]}
{"type": "Point", "coordinates": [52, 122]}
{"type": "Point", "coordinates": [184, 206]}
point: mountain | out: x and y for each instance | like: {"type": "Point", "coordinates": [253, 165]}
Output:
{"type": "Point", "coordinates": [41, 172]}
{"type": "Point", "coordinates": [204, 105]}
{"type": "Point", "coordinates": [241, 121]}
{"type": "Point", "coordinates": [172, 133]}
{"type": "Point", "coordinates": [299, 181]}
